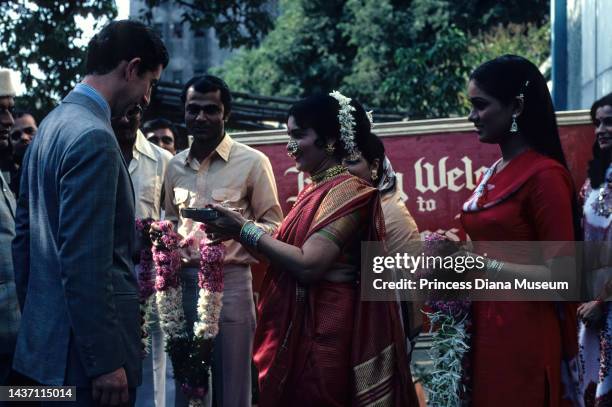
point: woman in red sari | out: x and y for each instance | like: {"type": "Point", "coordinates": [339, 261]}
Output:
{"type": "Point", "coordinates": [522, 353]}
{"type": "Point", "coordinates": [316, 343]}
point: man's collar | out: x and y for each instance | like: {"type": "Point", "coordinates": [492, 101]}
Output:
{"type": "Point", "coordinates": [92, 93]}
{"type": "Point", "coordinates": [223, 149]}
{"type": "Point", "coordinates": [143, 146]}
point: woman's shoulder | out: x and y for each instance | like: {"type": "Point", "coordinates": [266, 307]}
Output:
{"type": "Point", "coordinates": [399, 223]}
{"type": "Point", "coordinates": [349, 186]}
{"type": "Point", "coordinates": [536, 161]}
{"type": "Point", "coordinates": [537, 169]}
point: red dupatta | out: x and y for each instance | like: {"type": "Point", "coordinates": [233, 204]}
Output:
{"type": "Point", "coordinates": [378, 360]}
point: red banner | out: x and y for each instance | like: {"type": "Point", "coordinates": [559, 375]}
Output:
{"type": "Point", "coordinates": [436, 171]}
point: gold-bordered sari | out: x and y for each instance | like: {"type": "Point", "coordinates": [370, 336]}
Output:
{"type": "Point", "coordinates": [321, 345]}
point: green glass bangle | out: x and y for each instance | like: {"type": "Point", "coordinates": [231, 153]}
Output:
{"type": "Point", "coordinates": [250, 234]}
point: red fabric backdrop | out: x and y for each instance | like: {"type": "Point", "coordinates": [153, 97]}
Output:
{"type": "Point", "coordinates": [437, 172]}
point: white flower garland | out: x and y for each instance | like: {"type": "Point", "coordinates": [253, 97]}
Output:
{"type": "Point", "coordinates": [171, 314]}
{"type": "Point", "coordinates": [209, 312]}
{"type": "Point", "coordinates": [145, 312]}
{"type": "Point", "coordinates": [191, 370]}
{"type": "Point", "coordinates": [347, 124]}
{"type": "Point", "coordinates": [450, 344]}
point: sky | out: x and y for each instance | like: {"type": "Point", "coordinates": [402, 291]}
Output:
{"type": "Point", "coordinates": [123, 8]}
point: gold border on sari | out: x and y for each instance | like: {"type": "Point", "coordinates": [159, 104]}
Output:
{"type": "Point", "coordinates": [340, 195]}
{"type": "Point", "coordinates": [373, 379]}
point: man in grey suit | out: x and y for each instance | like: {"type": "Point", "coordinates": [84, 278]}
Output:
{"type": "Point", "coordinates": [75, 228]}
{"type": "Point", "coordinates": [9, 309]}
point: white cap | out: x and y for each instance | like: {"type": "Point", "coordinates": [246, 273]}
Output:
{"type": "Point", "coordinates": [7, 87]}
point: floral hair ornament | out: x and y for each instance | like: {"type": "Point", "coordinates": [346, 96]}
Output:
{"type": "Point", "coordinates": [370, 114]}
{"type": "Point", "coordinates": [521, 95]}
{"type": "Point", "coordinates": [347, 125]}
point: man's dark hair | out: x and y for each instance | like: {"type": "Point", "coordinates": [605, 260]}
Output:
{"type": "Point", "coordinates": [20, 113]}
{"type": "Point", "coordinates": [210, 83]}
{"type": "Point", "coordinates": [157, 124]}
{"type": "Point", "coordinates": [125, 40]}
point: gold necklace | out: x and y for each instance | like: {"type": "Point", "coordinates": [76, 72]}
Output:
{"type": "Point", "coordinates": [328, 174]}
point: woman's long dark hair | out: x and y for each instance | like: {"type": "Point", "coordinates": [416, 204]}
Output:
{"type": "Point", "coordinates": [601, 159]}
{"type": "Point", "coordinates": [371, 148]}
{"type": "Point", "coordinates": [509, 76]}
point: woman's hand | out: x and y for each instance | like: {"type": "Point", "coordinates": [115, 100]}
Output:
{"type": "Point", "coordinates": [592, 314]}
{"type": "Point", "coordinates": [225, 227]}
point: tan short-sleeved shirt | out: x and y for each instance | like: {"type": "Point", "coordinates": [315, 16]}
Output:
{"type": "Point", "coordinates": [233, 172]}
{"type": "Point", "coordinates": [399, 224]}
{"type": "Point", "coordinates": [147, 169]}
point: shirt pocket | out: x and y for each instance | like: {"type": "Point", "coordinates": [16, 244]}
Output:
{"type": "Point", "coordinates": [181, 197]}
{"type": "Point", "coordinates": [233, 195]}
{"type": "Point", "coordinates": [149, 191]}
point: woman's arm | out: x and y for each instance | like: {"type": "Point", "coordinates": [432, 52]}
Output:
{"type": "Point", "coordinates": [307, 264]}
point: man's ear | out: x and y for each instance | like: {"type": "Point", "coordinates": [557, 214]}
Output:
{"type": "Point", "coordinates": [131, 69]}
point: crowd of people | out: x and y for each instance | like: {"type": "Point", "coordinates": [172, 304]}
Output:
{"type": "Point", "coordinates": [73, 188]}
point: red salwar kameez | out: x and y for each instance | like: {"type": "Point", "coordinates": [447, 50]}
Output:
{"type": "Point", "coordinates": [320, 345]}
{"type": "Point", "coordinates": [523, 353]}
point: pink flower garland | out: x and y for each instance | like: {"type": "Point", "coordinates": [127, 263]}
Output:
{"type": "Point", "coordinates": [210, 281]}
{"type": "Point", "coordinates": [187, 352]}
{"type": "Point", "coordinates": [210, 276]}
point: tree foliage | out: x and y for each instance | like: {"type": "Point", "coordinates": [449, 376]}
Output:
{"type": "Point", "coordinates": [414, 56]}
{"type": "Point", "coordinates": [39, 39]}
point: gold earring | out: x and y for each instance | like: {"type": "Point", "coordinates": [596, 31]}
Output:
{"type": "Point", "coordinates": [329, 149]}
{"type": "Point", "coordinates": [374, 175]}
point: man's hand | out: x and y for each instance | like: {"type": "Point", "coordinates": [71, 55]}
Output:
{"type": "Point", "coordinates": [592, 314]}
{"type": "Point", "coordinates": [111, 389]}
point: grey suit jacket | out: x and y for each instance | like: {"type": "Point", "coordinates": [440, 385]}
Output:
{"type": "Point", "coordinates": [73, 251]}
{"type": "Point", "coordinates": [9, 308]}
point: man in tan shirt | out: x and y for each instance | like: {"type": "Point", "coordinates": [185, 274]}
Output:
{"type": "Point", "coordinates": [218, 169]}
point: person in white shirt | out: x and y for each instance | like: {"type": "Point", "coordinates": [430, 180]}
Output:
{"type": "Point", "coordinates": [147, 165]}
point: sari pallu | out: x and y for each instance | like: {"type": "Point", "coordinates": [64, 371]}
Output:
{"type": "Point", "coordinates": [320, 345]}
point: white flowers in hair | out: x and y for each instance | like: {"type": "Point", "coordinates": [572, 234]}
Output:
{"type": "Point", "coordinates": [347, 124]}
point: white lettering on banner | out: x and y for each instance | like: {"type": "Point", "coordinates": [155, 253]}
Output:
{"type": "Point", "coordinates": [426, 205]}
{"type": "Point", "coordinates": [431, 182]}
{"type": "Point", "coordinates": [453, 175]}
{"type": "Point", "coordinates": [425, 176]}
{"type": "Point", "coordinates": [303, 181]}
{"type": "Point", "coordinates": [428, 177]}
{"type": "Point", "coordinates": [399, 181]}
